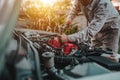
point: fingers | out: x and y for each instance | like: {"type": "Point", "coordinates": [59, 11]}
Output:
{"type": "Point", "coordinates": [64, 38]}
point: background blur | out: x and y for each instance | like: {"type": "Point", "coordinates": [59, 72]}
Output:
{"type": "Point", "coordinates": [47, 15]}
{"type": "Point", "coordinates": [50, 15]}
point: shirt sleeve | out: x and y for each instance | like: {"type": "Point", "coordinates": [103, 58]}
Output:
{"type": "Point", "coordinates": [100, 16]}
{"type": "Point", "coordinates": [74, 10]}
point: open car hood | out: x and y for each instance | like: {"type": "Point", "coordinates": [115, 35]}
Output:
{"type": "Point", "coordinates": [8, 15]}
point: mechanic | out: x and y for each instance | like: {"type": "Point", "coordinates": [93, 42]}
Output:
{"type": "Point", "coordinates": [103, 27]}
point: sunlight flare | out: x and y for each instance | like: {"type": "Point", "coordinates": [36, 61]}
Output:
{"type": "Point", "coordinates": [48, 2]}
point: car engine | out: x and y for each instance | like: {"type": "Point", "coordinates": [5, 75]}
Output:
{"type": "Point", "coordinates": [41, 55]}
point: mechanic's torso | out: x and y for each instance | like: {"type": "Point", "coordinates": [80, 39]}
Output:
{"type": "Point", "coordinates": [98, 8]}
{"type": "Point", "coordinates": [91, 10]}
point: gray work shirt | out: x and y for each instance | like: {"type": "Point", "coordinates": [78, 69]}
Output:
{"type": "Point", "coordinates": [99, 13]}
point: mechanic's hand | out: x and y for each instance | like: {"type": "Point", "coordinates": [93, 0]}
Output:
{"type": "Point", "coordinates": [64, 38]}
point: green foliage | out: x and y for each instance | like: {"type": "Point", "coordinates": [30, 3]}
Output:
{"type": "Point", "coordinates": [71, 30]}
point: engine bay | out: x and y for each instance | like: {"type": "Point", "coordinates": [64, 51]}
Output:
{"type": "Point", "coordinates": [50, 59]}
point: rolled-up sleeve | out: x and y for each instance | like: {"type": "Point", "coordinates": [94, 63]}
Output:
{"type": "Point", "coordinates": [74, 10]}
{"type": "Point", "coordinates": [100, 16]}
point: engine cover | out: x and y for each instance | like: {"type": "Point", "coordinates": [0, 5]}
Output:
{"type": "Point", "coordinates": [66, 46]}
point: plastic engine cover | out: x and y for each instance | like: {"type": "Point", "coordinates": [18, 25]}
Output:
{"type": "Point", "coordinates": [67, 47]}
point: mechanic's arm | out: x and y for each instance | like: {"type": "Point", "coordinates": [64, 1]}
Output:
{"type": "Point", "coordinates": [73, 13]}
{"type": "Point", "coordinates": [100, 17]}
